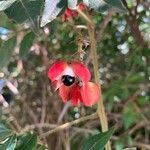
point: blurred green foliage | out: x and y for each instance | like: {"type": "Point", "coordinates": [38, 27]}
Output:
{"type": "Point", "coordinates": [124, 60]}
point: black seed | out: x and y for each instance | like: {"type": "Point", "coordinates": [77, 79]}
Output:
{"type": "Point", "coordinates": [68, 80]}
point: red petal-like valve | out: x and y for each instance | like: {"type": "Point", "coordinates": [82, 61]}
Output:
{"type": "Point", "coordinates": [75, 95]}
{"type": "Point", "coordinates": [68, 14]}
{"type": "Point", "coordinates": [57, 84]}
{"type": "Point", "coordinates": [64, 92]}
{"type": "Point", "coordinates": [56, 69]}
{"type": "Point", "coordinates": [90, 93]}
{"type": "Point", "coordinates": [82, 6]}
{"type": "Point", "coordinates": [81, 71]}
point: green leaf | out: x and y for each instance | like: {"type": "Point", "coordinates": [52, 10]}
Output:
{"type": "Point", "coordinates": [26, 11]}
{"type": "Point", "coordinates": [72, 4]}
{"type": "Point", "coordinates": [41, 147]}
{"type": "Point", "coordinates": [130, 116]}
{"type": "Point", "coordinates": [98, 142]}
{"type": "Point", "coordinates": [28, 141]}
{"type": "Point", "coordinates": [5, 4]}
{"type": "Point", "coordinates": [135, 78]}
{"type": "Point", "coordinates": [5, 132]}
{"type": "Point", "coordinates": [146, 52]}
{"type": "Point", "coordinates": [143, 101]}
{"type": "Point", "coordinates": [104, 5]}
{"type": "Point", "coordinates": [10, 144]}
{"type": "Point", "coordinates": [26, 44]}
{"type": "Point", "coordinates": [117, 4]}
{"type": "Point", "coordinates": [52, 9]}
{"type": "Point", "coordinates": [6, 51]}
{"type": "Point", "coordinates": [98, 5]}
{"type": "Point", "coordinates": [119, 144]}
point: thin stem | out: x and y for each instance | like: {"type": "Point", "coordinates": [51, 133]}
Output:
{"type": "Point", "coordinates": [101, 108]}
{"type": "Point", "coordinates": [85, 17]}
{"type": "Point", "coordinates": [69, 124]}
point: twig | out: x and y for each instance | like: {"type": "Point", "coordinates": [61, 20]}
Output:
{"type": "Point", "coordinates": [135, 143]}
{"type": "Point", "coordinates": [15, 122]}
{"type": "Point", "coordinates": [142, 145]}
{"type": "Point", "coordinates": [140, 112]}
{"type": "Point", "coordinates": [85, 17]}
{"type": "Point", "coordinates": [44, 103]}
{"type": "Point", "coordinates": [51, 126]}
{"type": "Point", "coordinates": [38, 125]}
{"type": "Point", "coordinates": [138, 126]}
{"type": "Point", "coordinates": [67, 141]}
{"type": "Point", "coordinates": [69, 124]}
{"type": "Point", "coordinates": [135, 128]}
{"type": "Point", "coordinates": [135, 8]}
{"type": "Point", "coordinates": [100, 31]}
{"type": "Point", "coordinates": [132, 21]}
{"type": "Point", "coordinates": [30, 112]}
{"type": "Point", "coordinates": [63, 112]}
{"type": "Point", "coordinates": [104, 25]}
{"type": "Point", "coordinates": [81, 27]}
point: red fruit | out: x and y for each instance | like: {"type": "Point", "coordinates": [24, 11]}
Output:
{"type": "Point", "coordinates": [71, 13]}
{"type": "Point", "coordinates": [72, 81]}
